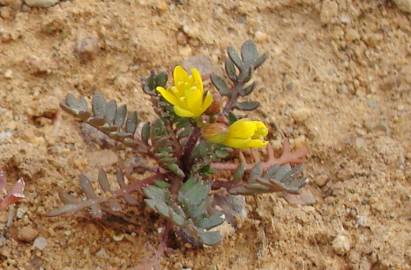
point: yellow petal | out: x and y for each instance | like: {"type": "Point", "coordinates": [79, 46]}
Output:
{"type": "Point", "coordinates": [168, 95]}
{"type": "Point", "coordinates": [193, 96]}
{"type": "Point", "coordinates": [197, 79]}
{"type": "Point", "coordinates": [179, 75]}
{"type": "Point", "coordinates": [236, 143]}
{"type": "Point", "coordinates": [261, 130]}
{"type": "Point", "coordinates": [183, 112]}
{"type": "Point", "coordinates": [256, 144]}
{"type": "Point", "coordinates": [207, 102]}
{"type": "Point", "coordinates": [242, 128]}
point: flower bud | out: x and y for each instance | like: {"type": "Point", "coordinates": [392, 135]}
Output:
{"type": "Point", "coordinates": [216, 105]}
{"type": "Point", "coordinates": [215, 132]}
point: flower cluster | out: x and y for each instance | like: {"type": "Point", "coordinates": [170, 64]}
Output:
{"type": "Point", "coordinates": [189, 100]}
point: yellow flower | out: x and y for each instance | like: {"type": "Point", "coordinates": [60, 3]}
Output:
{"type": "Point", "coordinates": [242, 134]}
{"type": "Point", "coordinates": [187, 94]}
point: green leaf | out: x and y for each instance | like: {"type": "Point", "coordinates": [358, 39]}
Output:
{"type": "Point", "coordinates": [247, 105]}
{"type": "Point", "coordinates": [256, 172]}
{"type": "Point", "coordinates": [175, 169]}
{"type": "Point", "coordinates": [249, 52]}
{"type": "Point", "coordinates": [220, 84]}
{"type": "Point", "coordinates": [212, 221]}
{"type": "Point", "coordinates": [233, 55]}
{"type": "Point", "coordinates": [248, 89]}
{"type": "Point", "coordinates": [161, 79]}
{"type": "Point", "coordinates": [131, 122]}
{"type": "Point", "coordinates": [230, 69]}
{"type": "Point", "coordinates": [260, 60]}
{"type": "Point", "coordinates": [145, 132]}
{"type": "Point", "coordinates": [155, 193]}
{"type": "Point", "coordinates": [111, 109]}
{"type": "Point", "coordinates": [99, 105]}
{"type": "Point", "coordinates": [120, 116]}
{"type": "Point", "coordinates": [239, 172]}
{"type": "Point", "coordinates": [232, 118]}
{"type": "Point", "coordinates": [246, 74]}
{"type": "Point", "coordinates": [210, 238]}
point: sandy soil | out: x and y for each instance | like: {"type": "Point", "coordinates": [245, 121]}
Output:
{"type": "Point", "coordinates": [338, 79]}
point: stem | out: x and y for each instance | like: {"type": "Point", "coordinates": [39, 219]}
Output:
{"type": "Point", "coordinates": [233, 98]}
{"type": "Point", "coordinates": [188, 149]}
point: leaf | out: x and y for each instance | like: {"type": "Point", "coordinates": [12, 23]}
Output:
{"type": "Point", "coordinates": [239, 173]}
{"type": "Point", "coordinates": [99, 105]}
{"type": "Point", "coordinates": [232, 118]}
{"type": "Point", "coordinates": [145, 132]}
{"type": "Point", "coordinates": [230, 69]}
{"type": "Point", "coordinates": [111, 109]}
{"type": "Point", "coordinates": [131, 122]}
{"type": "Point", "coordinates": [247, 105]}
{"type": "Point", "coordinates": [246, 74]}
{"type": "Point", "coordinates": [248, 89]}
{"type": "Point", "coordinates": [249, 52]}
{"type": "Point", "coordinates": [233, 55]}
{"type": "Point", "coordinates": [212, 221]}
{"type": "Point", "coordinates": [256, 172]}
{"type": "Point", "coordinates": [120, 116]}
{"type": "Point", "coordinates": [220, 84]}
{"type": "Point", "coordinates": [210, 238]}
{"type": "Point", "coordinates": [260, 60]}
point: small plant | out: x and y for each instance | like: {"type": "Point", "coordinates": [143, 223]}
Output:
{"type": "Point", "coordinates": [197, 157]}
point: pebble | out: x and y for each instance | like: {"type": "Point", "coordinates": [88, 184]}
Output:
{"type": "Point", "coordinates": [301, 114]}
{"type": "Point", "coordinates": [86, 47]}
{"type": "Point", "coordinates": [41, 3]}
{"type": "Point", "coordinates": [8, 74]}
{"type": "Point", "coordinates": [321, 180]}
{"type": "Point", "coordinates": [181, 38]}
{"type": "Point", "coordinates": [40, 243]}
{"type": "Point", "coordinates": [21, 211]}
{"type": "Point", "coordinates": [261, 37]}
{"type": "Point", "coordinates": [102, 253]}
{"type": "Point", "coordinates": [306, 197]}
{"type": "Point", "coordinates": [341, 244]}
{"type": "Point", "coordinates": [329, 12]}
{"type": "Point", "coordinates": [404, 5]}
{"type": "Point", "coordinates": [27, 234]}
{"type": "Point", "coordinates": [361, 221]}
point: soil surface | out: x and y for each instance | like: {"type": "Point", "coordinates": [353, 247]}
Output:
{"type": "Point", "coordinates": [338, 80]}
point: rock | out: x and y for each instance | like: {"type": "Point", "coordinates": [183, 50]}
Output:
{"type": "Point", "coordinates": [102, 253]}
{"type": "Point", "coordinates": [306, 197]}
{"type": "Point", "coordinates": [329, 12]}
{"type": "Point", "coordinates": [200, 62]}
{"type": "Point", "coordinates": [261, 37]}
{"type": "Point", "coordinates": [87, 46]}
{"type": "Point", "coordinates": [321, 180]}
{"type": "Point", "coordinates": [8, 74]}
{"type": "Point", "coordinates": [301, 114]}
{"type": "Point", "coordinates": [361, 221]}
{"type": "Point", "coordinates": [404, 5]}
{"type": "Point", "coordinates": [27, 234]}
{"type": "Point", "coordinates": [181, 38]}
{"type": "Point", "coordinates": [41, 3]}
{"type": "Point", "coordinates": [21, 211]}
{"type": "Point", "coordinates": [341, 244]}
{"type": "Point", "coordinates": [40, 243]}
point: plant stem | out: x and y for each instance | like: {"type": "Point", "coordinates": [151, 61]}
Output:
{"type": "Point", "coordinates": [233, 98]}
{"type": "Point", "coordinates": [188, 149]}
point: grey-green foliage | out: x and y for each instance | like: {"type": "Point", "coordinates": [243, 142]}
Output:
{"type": "Point", "coordinates": [163, 147]}
{"type": "Point", "coordinates": [96, 203]}
{"type": "Point", "coordinates": [275, 178]}
{"type": "Point", "coordinates": [239, 69]}
{"type": "Point", "coordinates": [106, 116]}
{"type": "Point", "coordinates": [190, 211]}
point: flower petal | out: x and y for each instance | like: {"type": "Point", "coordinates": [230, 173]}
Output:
{"type": "Point", "coordinates": [197, 78]}
{"type": "Point", "coordinates": [168, 95]}
{"type": "Point", "coordinates": [242, 129]}
{"type": "Point", "coordinates": [256, 143]}
{"type": "Point", "coordinates": [207, 102]}
{"type": "Point", "coordinates": [179, 75]}
{"type": "Point", "coordinates": [236, 143]}
{"type": "Point", "coordinates": [182, 112]}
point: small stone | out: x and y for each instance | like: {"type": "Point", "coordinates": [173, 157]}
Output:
{"type": "Point", "coordinates": [27, 234]}
{"type": "Point", "coordinates": [118, 237]}
{"type": "Point", "coordinates": [301, 114]}
{"type": "Point", "coordinates": [41, 3]}
{"type": "Point", "coordinates": [341, 244]}
{"type": "Point", "coordinates": [321, 180]}
{"type": "Point", "coordinates": [362, 221]}
{"type": "Point", "coordinates": [8, 74]}
{"type": "Point", "coordinates": [352, 35]}
{"type": "Point", "coordinates": [87, 47]}
{"type": "Point", "coordinates": [299, 141]}
{"type": "Point", "coordinates": [305, 197]}
{"type": "Point", "coordinates": [329, 12]}
{"type": "Point", "coordinates": [162, 6]}
{"type": "Point", "coordinates": [261, 37]}
{"type": "Point", "coordinates": [40, 243]}
{"type": "Point", "coordinates": [404, 5]}
{"type": "Point", "coordinates": [181, 38]}
{"type": "Point", "coordinates": [21, 211]}
{"type": "Point", "coordinates": [102, 253]}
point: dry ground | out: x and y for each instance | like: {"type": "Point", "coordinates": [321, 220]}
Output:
{"type": "Point", "coordinates": [338, 79]}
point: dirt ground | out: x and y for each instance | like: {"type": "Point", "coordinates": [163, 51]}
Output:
{"type": "Point", "coordinates": [338, 79]}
